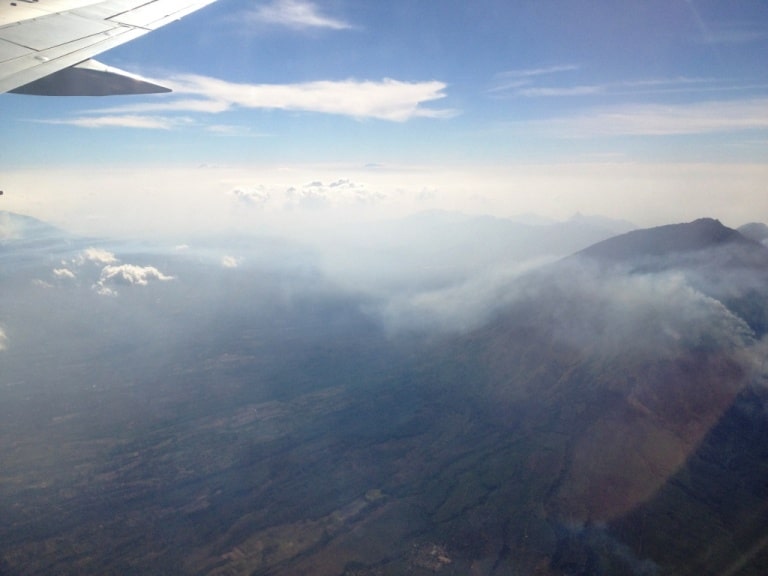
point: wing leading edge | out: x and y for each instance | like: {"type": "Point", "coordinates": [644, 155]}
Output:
{"type": "Point", "coordinates": [46, 46]}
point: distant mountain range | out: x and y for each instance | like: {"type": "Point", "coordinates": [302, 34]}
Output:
{"type": "Point", "coordinates": [18, 228]}
{"type": "Point", "coordinates": [757, 231]}
{"type": "Point", "coordinates": [25, 241]}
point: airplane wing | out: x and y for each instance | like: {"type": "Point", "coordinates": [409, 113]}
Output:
{"type": "Point", "coordinates": [46, 46]}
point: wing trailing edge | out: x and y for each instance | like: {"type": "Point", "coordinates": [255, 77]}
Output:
{"type": "Point", "coordinates": [90, 78]}
{"type": "Point", "coordinates": [58, 38]}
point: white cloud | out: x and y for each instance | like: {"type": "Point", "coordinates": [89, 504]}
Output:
{"type": "Point", "coordinates": [340, 191]}
{"type": "Point", "coordinates": [543, 71]}
{"type": "Point", "coordinates": [3, 339]}
{"type": "Point", "coordinates": [228, 130]}
{"type": "Point", "coordinates": [676, 81]}
{"type": "Point", "coordinates": [528, 84]}
{"type": "Point", "coordinates": [661, 119]}
{"type": "Point", "coordinates": [96, 255]}
{"type": "Point", "coordinates": [296, 14]}
{"type": "Point", "coordinates": [123, 121]}
{"type": "Point", "coordinates": [565, 91]}
{"type": "Point", "coordinates": [511, 80]}
{"type": "Point", "coordinates": [167, 105]}
{"type": "Point", "coordinates": [385, 99]}
{"type": "Point", "coordinates": [63, 273]}
{"type": "Point", "coordinates": [312, 195]}
{"type": "Point", "coordinates": [127, 275]}
{"type": "Point", "coordinates": [131, 274]}
{"type": "Point", "coordinates": [230, 262]}
{"type": "Point", "coordinates": [102, 290]}
{"type": "Point", "coordinates": [257, 196]}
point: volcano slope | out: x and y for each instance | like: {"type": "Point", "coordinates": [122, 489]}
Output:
{"type": "Point", "coordinates": [630, 380]}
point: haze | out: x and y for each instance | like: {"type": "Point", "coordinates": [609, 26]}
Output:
{"type": "Point", "coordinates": [374, 292]}
{"type": "Point", "coordinates": [652, 112]}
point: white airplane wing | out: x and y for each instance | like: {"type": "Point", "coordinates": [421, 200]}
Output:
{"type": "Point", "coordinates": [46, 46]}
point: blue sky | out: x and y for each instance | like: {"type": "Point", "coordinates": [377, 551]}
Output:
{"type": "Point", "coordinates": [651, 111]}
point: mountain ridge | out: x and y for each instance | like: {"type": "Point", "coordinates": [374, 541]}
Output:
{"type": "Point", "coordinates": [700, 234]}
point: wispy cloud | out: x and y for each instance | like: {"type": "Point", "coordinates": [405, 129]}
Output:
{"type": "Point", "coordinates": [661, 119]}
{"type": "Point", "coordinates": [169, 105]}
{"type": "Point", "coordinates": [386, 99]}
{"type": "Point", "coordinates": [122, 121]}
{"type": "Point", "coordinates": [295, 14]}
{"type": "Point", "coordinates": [542, 71]}
{"type": "Point", "coordinates": [734, 34]}
{"type": "Point", "coordinates": [546, 83]}
{"type": "Point", "coordinates": [514, 80]}
{"type": "Point", "coordinates": [564, 91]}
{"type": "Point", "coordinates": [725, 32]}
{"type": "Point", "coordinates": [3, 339]}
{"type": "Point", "coordinates": [230, 130]}
{"type": "Point", "coordinates": [666, 82]}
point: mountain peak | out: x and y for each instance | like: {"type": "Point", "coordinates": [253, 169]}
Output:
{"type": "Point", "coordinates": [693, 236]}
{"type": "Point", "coordinates": [19, 232]}
{"type": "Point", "coordinates": [20, 227]}
{"type": "Point", "coordinates": [757, 231]}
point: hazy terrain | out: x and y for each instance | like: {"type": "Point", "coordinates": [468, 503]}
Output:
{"type": "Point", "coordinates": [441, 394]}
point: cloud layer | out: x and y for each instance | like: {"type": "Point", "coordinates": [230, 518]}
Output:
{"type": "Point", "coordinates": [312, 195]}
